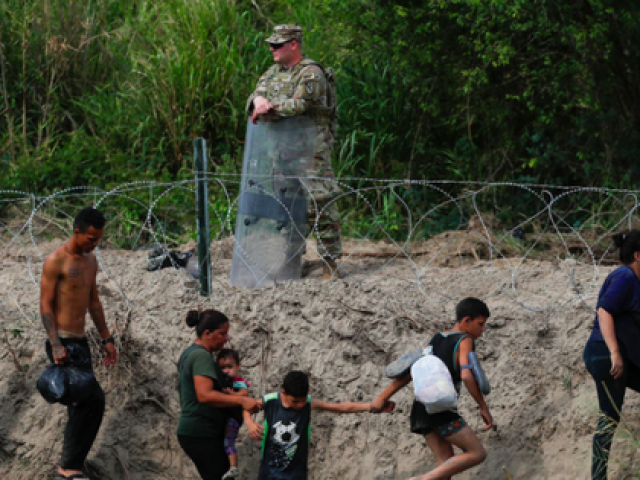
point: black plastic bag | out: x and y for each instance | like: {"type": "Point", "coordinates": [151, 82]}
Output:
{"type": "Point", "coordinates": [52, 384]}
{"type": "Point", "coordinates": [66, 384]}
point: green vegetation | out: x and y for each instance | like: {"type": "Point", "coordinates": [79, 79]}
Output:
{"type": "Point", "coordinates": [533, 91]}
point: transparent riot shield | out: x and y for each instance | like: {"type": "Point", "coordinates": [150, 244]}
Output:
{"type": "Point", "coordinates": [271, 225]}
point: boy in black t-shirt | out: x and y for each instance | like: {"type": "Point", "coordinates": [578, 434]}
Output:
{"type": "Point", "coordinates": [285, 434]}
{"type": "Point", "coordinates": [443, 430]}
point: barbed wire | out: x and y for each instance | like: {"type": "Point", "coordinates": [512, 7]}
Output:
{"type": "Point", "coordinates": [418, 225]}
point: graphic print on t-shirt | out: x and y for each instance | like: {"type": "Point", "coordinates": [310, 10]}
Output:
{"type": "Point", "coordinates": [285, 443]}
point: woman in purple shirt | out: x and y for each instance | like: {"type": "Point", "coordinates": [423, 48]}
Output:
{"type": "Point", "coordinates": [612, 353]}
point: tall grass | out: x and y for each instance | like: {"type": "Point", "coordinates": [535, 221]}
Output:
{"type": "Point", "coordinates": [113, 90]}
{"type": "Point", "coordinates": [109, 90]}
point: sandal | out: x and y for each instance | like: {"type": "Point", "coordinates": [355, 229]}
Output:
{"type": "Point", "coordinates": [73, 476]}
{"type": "Point", "coordinates": [400, 367]}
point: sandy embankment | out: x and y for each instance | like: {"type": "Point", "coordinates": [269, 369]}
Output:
{"type": "Point", "coordinates": [342, 334]}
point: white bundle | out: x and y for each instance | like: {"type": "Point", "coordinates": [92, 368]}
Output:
{"type": "Point", "coordinates": [432, 383]}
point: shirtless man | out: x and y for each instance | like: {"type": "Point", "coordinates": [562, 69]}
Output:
{"type": "Point", "coordinates": [67, 290]}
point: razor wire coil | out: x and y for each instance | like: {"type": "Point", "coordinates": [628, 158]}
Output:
{"type": "Point", "coordinates": [366, 193]}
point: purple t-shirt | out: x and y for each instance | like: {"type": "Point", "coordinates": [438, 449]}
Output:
{"type": "Point", "coordinates": [620, 296]}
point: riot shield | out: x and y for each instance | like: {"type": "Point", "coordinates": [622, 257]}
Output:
{"type": "Point", "coordinates": [271, 226]}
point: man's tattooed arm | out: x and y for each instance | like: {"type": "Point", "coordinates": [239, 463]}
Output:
{"type": "Point", "coordinates": [48, 282]}
{"type": "Point", "coordinates": [49, 322]}
{"type": "Point", "coordinates": [57, 349]}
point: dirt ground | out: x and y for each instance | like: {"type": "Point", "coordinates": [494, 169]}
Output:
{"type": "Point", "coordinates": [341, 333]}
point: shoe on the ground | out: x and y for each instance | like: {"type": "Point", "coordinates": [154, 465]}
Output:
{"type": "Point", "coordinates": [155, 263]}
{"type": "Point", "coordinates": [233, 472]}
{"type": "Point", "coordinates": [167, 259]}
{"type": "Point", "coordinates": [329, 270]}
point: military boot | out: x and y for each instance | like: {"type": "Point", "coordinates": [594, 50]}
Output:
{"type": "Point", "coordinates": [329, 270]}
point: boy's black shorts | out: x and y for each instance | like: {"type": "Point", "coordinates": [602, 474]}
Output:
{"type": "Point", "coordinates": [423, 423]}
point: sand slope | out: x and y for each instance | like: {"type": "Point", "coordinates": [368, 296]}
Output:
{"type": "Point", "coordinates": [343, 334]}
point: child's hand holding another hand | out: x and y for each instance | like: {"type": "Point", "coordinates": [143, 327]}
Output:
{"type": "Point", "coordinates": [256, 431]}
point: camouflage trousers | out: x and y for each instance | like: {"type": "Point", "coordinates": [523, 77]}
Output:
{"type": "Point", "coordinates": [324, 219]}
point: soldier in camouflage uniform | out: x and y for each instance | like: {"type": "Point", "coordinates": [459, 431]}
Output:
{"type": "Point", "coordinates": [297, 85]}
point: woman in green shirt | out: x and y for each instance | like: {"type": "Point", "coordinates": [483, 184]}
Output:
{"type": "Point", "coordinates": [204, 404]}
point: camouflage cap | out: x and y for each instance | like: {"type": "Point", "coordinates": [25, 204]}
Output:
{"type": "Point", "coordinates": [285, 33]}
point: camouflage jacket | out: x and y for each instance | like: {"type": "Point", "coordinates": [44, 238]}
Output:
{"type": "Point", "coordinates": [298, 90]}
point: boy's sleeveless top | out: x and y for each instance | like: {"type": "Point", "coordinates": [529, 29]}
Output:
{"type": "Point", "coordinates": [445, 347]}
{"type": "Point", "coordinates": [285, 444]}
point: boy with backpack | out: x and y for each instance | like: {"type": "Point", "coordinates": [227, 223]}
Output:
{"type": "Point", "coordinates": [285, 434]}
{"type": "Point", "coordinates": [445, 429]}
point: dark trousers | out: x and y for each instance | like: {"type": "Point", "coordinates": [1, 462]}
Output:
{"type": "Point", "coordinates": [85, 417]}
{"type": "Point", "coordinates": [598, 362]}
{"type": "Point", "coordinates": [208, 455]}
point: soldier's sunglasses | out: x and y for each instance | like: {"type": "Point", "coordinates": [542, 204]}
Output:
{"type": "Point", "coordinates": [278, 46]}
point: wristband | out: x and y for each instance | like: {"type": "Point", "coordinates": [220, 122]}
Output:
{"type": "Point", "coordinates": [108, 340]}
